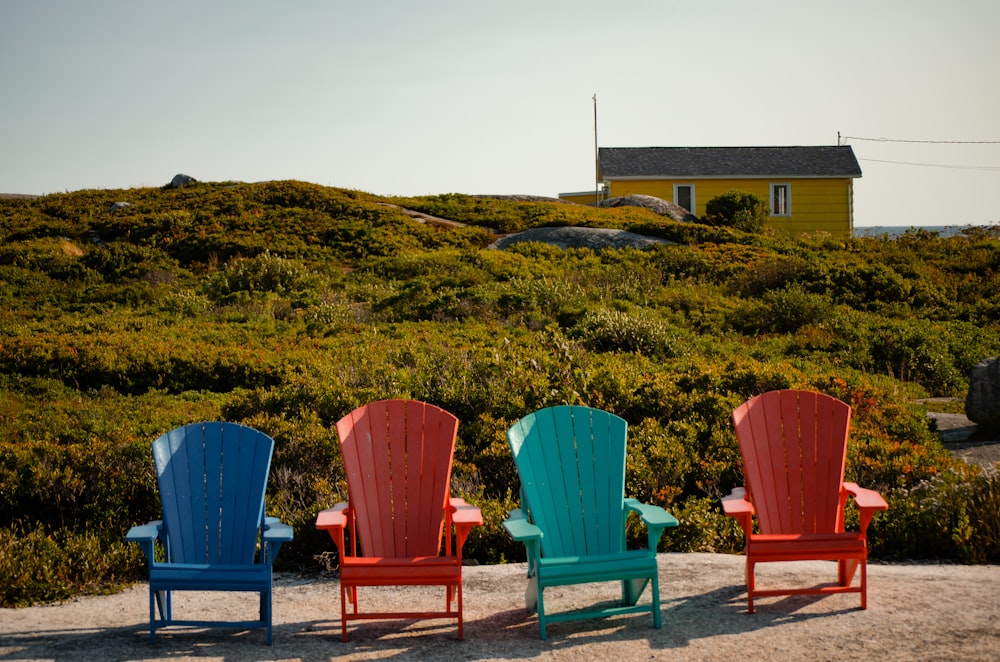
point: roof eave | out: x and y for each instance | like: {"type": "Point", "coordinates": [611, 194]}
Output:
{"type": "Point", "coordinates": [689, 176]}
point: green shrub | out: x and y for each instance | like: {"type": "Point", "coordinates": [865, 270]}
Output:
{"type": "Point", "coordinates": [43, 565]}
{"type": "Point", "coordinates": [265, 273]}
{"type": "Point", "coordinates": [783, 311]}
{"type": "Point", "coordinates": [948, 516]}
{"type": "Point", "coordinates": [702, 528]}
{"type": "Point", "coordinates": [123, 261]}
{"type": "Point", "coordinates": [658, 463]}
{"type": "Point", "coordinates": [490, 543]}
{"type": "Point", "coordinates": [616, 331]}
{"type": "Point", "coordinates": [737, 209]}
{"type": "Point", "coordinates": [773, 272]}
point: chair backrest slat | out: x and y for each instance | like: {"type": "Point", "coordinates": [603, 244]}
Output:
{"type": "Point", "coordinates": [398, 458]}
{"type": "Point", "coordinates": [794, 447]}
{"type": "Point", "coordinates": [571, 461]}
{"type": "Point", "coordinates": [212, 479]}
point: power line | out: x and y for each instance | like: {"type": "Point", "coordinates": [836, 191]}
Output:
{"type": "Point", "coordinates": [925, 142]}
{"type": "Point", "coordinates": [937, 165]}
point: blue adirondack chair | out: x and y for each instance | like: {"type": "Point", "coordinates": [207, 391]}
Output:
{"type": "Point", "coordinates": [571, 461]}
{"type": "Point", "coordinates": [212, 478]}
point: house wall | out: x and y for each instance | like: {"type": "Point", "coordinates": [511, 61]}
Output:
{"type": "Point", "coordinates": [581, 197]}
{"type": "Point", "coordinates": [817, 205]}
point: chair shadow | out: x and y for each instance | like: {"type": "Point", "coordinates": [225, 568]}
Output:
{"type": "Point", "coordinates": [130, 642]}
{"type": "Point", "coordinates": [723, 611]}
{"type": "Point", "coordinates": [508, 634]}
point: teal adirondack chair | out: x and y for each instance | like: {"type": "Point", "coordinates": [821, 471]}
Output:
{"type": "Point", "coordinates": [571, 461]}
{"type": "Point", "coordinates": [212, 478]}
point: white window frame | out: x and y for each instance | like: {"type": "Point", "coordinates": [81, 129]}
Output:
{"type": "Point", "coordinates": [694, 203]}
{"type": "Point", "coordinates": [772, 199]}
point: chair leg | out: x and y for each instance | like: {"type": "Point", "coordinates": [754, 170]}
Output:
{"type": "Point", "coordinates": [265, 612]}
{"type": "Point", "coordinates": [864, 583]}
{"type": "Point", "coordinates": [153, 596]}
{"type": "Point", "coordinates": [458, 600]}
{"type": "Point", "coordinates": [751, 585]}
{"type": "Point", "coordinates": [164, 604]}
{"type": "Point", "coordinates": [343, 611]}
{"type": "Point", "coordinates": [531, 594]}
{"type": "Point", "coordinates": [846, 571]}
{"type": "Point", "coordinates": [657, 616]}
{"type": "Point", "coordinates": [632, 590]}
{"type": "Point", "coordinates": [541, 613]}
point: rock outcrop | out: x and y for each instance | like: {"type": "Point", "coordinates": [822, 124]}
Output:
{"type": "Point", "coordinates": [180, 180]}
{"type": "Point", "coordinates": [596, 239]}
{"type": "Point", "coordinates": [652, 203]}
{"type": "Point", "coordinates": [982, 404]}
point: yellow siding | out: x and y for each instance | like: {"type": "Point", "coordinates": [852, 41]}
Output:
{"type": "Point", "coordinates": [581, 198]}
{"type": "Point", "coordinates": [817, 205]}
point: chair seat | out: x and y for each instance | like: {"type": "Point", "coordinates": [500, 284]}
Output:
{"type": "Point", "coordinates": [203, 577]}
{"type": "Point", "coordinates": [817, 546]}
{"type": "Point", "coordinates": [555, 571]}
{"type": "Point", "coordinates": [392, 571]}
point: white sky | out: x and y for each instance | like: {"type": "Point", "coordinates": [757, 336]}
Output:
{"type": "Point", "coordinates": [495, 96]}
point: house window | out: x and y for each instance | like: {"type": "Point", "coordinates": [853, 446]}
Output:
{"type": "Point", "coordinates": [684, 196]}
{"type": "Point", "coordinates": [781, 199]}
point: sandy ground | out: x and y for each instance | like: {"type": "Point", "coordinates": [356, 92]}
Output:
{"type": "Point", "coordinates": [915, 612]}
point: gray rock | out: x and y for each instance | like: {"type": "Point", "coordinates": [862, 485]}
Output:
{"type": "Point", "coordinates": [115, 206]}
{"type": "Point", "coordinates": [596, 239]}
{"type": "Point", "coordinates": [180, 180]}
{"type": "Point", "coordinates": [652, 203]}
{"type": "Point", "coordinates": [982, 404]}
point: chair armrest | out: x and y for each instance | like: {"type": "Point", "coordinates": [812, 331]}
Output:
{"type": "Point", "coordinates": [867, 501]}
{"type": "Point", "coordinates": [148, 532]}
{"type": "Point", "coordinates": [464, 514]}
{"type": "Point", "coordinates": [276, 531]}
{"type": "Point", "coordinates": [655, 518]}
{"type": "Point", "coordinates": [520, 528]}
{"type": "Point", "coordinates": [865, 498]}
{"type": "Point", "coordinates": [336, 521]}
{"type": "Point", "coordinates": [274, 535]}
{"type": "Point", "coordinates": [463, 517]}
{"type": "Point", "coordinates": [737, 504]}
{"type": "Point", "coordinates": [146, 536]}
{"type": "Point", "coordinates": [333, 518]}
{"type": "Point", "coordinates": [652, 516]}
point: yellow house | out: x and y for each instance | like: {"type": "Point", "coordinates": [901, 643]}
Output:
{"type": "Point", "coordinates": [808, 189]}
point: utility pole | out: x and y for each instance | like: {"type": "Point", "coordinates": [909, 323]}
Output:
{"type": "Point", "coordinates": [597, 159]}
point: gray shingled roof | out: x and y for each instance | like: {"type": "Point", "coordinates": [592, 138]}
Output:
{"type": "Point", "coordinates": [771, 162]}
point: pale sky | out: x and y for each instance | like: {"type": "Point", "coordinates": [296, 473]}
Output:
{"type": "Point", "coordinates": [407, 97]}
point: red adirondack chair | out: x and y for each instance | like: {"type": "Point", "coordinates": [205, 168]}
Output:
{"type": "Point", "coordinates": [794, 447]}
{"type": "Point", "coordinates": [397, 457]}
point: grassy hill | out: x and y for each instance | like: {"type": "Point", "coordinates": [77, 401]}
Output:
{"type": "Point", "coordinates": [284, 305]}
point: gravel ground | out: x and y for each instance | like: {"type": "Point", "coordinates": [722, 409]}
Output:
{"type": "Point", "coordinates": [915, 612]}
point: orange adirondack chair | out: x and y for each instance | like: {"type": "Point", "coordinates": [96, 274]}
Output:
{"type": "Point", "coordinates": [794, 447]}
{"type": "Point", "coordinates": [397, 457]}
